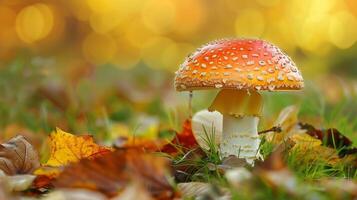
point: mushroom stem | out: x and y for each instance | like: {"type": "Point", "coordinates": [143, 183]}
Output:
{"type": "Point", "coordinates": [240, 137]}
{"type": "Point", "coordinates": [241, 113]}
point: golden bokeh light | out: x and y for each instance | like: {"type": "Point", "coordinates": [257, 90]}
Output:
{"type": "Point", "coordinates": [268, 3]}
{"type": "Point", "coordinates": [343, 29]}
{"type": "Point", "coordinates": [127, 55]}
{"type": "Point", "coordinates": [158, 51]}
{"type": "Point", "coordinates": [190, 15]}
{"type": "Point", "coordinates": [250, 23]}
{"type": "Point", "coordinates": [34, 22]}
{"type": "Point", "coordinates": [159, 33]}
{"type": "Point", "coordinates": [159, 15]}
{"type": "Point", "coordinates": [99, 48]}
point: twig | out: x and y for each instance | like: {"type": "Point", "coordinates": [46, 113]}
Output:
{"type": "Point", "coordinates": [276, 129]}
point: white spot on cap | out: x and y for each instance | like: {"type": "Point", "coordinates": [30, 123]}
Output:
{"type": "Point", "coordinates": [250, 76]}
{"type": "Point", "coordinates": [290, 77]}
{"type": "Point", "coordinates": [262, 62]}
{"type": "Point", "coordinates": [237, 69]}
{"type": "Point", "coordinates": [251, 62]}
{"type": "Point", "coordinates": [194, 72]}
{"type": "Point", "coordinates": [203, 65]}
{"type": "Point", "coordinates": [214, 67]}
{"type": "Point", "coordinates": [270, 80]}
{"type": "Point", "coordinates": [244, 56]}
{"type": "Point", "coordinates": [226, 73]}
{"type": "Point", "coordinates": [271, 87]}
{"type": "Point", "coordinates": [260, 78]}
{"type": "Point", "coordinates": [217, 85]}
{"type": "Point", "coordinates": [235, 58]}
{"type": "Point", "coordinates": [228, 66]}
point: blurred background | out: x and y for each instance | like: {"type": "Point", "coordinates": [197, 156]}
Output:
{"type": "Point", "coordinates": [106, 67]}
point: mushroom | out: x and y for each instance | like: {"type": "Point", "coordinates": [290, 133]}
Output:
{"type": "Point", "coordinates": [239, 68]}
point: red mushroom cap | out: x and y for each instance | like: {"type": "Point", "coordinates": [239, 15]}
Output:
{"type": "Point", "coordinates": [239, 64]}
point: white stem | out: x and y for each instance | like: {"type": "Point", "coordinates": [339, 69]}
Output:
{"type": "Point", "coordinates": [240, 137]}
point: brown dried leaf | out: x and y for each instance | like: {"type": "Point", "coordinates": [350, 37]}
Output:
{"type": "Point", "coordinates": [17, 156]}
{"type": "Point", "coordinates": [112, 172]}
{"type": "Point", "coordinates": [330, 137]}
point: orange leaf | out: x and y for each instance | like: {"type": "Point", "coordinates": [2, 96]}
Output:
{"type": "Point", "coordinates": [146, 145]}
{"type": "Point", "coordinates": [184, 140]}
{"type": "Point", "coordinates": [67, 148]}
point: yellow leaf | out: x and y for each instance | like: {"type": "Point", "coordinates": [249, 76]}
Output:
{"type": "Point", "coordinates": [305, 140]}
{"type": "Point", "coordinates": [67, 148]}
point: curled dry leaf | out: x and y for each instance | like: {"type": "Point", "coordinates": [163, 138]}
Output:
{"type": "Point", "coordinates": [67, 148]}
{"type": "Point", "coordinates": [112, 173]}
{"type": "Point", "coordinates": [16, 183]}
{"type": "Point", "coordinates": [17, 156]}
{"type": "Point", "coordinates": [184, 140]}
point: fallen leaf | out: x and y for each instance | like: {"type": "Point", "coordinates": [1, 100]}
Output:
{"type": "Point", "coordinates": [67, 148]}
{"type": "Point", "coordinates": [112, 172]}
{"type": "Point", "coordinates": [237, 176]}
{"type": "Point", "coordinates": [183, 140]}
{"type": "Point", "coordinates": [147, 145]}
{"type": "Point", "coordinates": [45, 175]}
{"type": "Point", "coordinates": [201, 190]}
{"type": "Point", "coordinates": [77, 194]}
{"type": "Point", "coordinates": [340, 188]}
{"type": "Point", "coordinates": [330, 137]}
{"type": "Point", "coordinates": [17, 156]}
{"type": "Point", "coordinates": [16, 183]}
{"type": "Point", "coordinates": [308, 149]}
{"type": "Point", "coordinates": [134, 191]}
{"type": "Point", "coordinates": [275, 173]}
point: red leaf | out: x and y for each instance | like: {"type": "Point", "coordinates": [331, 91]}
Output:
{"type": "Point", "coordinates": [184, 140]}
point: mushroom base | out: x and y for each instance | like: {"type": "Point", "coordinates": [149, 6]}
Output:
{"type": "Point", "coordinates": [240, 137]}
